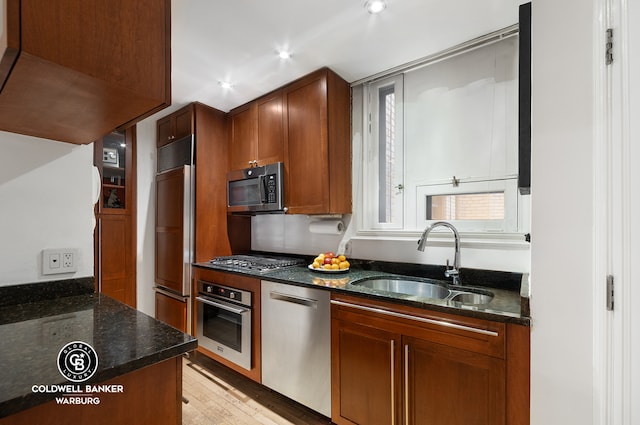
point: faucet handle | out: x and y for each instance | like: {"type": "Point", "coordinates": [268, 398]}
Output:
{"type": "Point", "coordinates": [453, 273]}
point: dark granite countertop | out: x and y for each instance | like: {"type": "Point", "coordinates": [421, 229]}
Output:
{"type": "Point", "coordinates": [32, 334]}
{"type": "Point", "coordinates": [508, 305]}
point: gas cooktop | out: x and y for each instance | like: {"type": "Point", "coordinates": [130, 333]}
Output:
{"type": "Point", "coordinates": [254, 263]}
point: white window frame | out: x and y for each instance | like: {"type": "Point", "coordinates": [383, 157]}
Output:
{"type": "Point", "coordinates": [517, 206]}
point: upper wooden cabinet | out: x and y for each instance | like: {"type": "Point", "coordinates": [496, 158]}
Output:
{"type": "Point", "coordinates": [256, 133]}
{"type": "Point", "coordinates": [73, 70]}
{"type": "Point", "coordinates": [318, 144]}
{"type": "Point", "coordinates": [175, 126]}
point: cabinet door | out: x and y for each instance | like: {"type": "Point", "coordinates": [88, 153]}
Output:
{"type": "Point", "coordinates": [446, 385]}
{"type": "Point", "coordinates": [116, 276]}
{"type": "Point", "coordinates": [183, 123]}
{"type": "Point", "coordinates": [270, 132]}
{"type": "Point", "coordinates": [366, 375]}
{"type": "Point", "coordinates": [242, 132]}
{"type": "Point", "coordinates": [164, 129]}
{"type": "Point", "coordinates": [307, 152]}
{"type": "Point", "coordinates": [171, 311]}
{"type": "Point", "coordinates": [170, 229]}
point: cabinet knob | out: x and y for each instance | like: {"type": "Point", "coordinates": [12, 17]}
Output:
{"type": "Point", "coordinates": [250, 163]}
{"type": "Point", "coordinates": [171, 137]}
{"type": "Point", "coordinates": [255, 163]}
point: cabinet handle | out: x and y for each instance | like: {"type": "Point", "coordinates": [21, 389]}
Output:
{"type": "Point", "coordinates": [416, 318]}
{"type": "Point", "coordinates": [171, 137]}
{"type": "Point", "coordinates": [393, 382]}
{"type": "Point", "coordinates": [406, 384]}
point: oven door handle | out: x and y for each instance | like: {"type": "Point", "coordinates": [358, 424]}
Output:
{"type": "Point", "coordinates": [223, 306]}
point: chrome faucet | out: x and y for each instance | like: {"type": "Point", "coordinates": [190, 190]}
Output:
{"type": "Point", "coordinates": [455, 271]}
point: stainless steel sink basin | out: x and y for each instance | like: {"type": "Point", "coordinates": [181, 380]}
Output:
{"type": "Point", "coordinates": [472, 298]}
{"type": "Point", "coordinates": [406, 286]}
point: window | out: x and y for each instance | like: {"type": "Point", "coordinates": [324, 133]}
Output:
{"type": "Point", "coordinates": [441, 143]}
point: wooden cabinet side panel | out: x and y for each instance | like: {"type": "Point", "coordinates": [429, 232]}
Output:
{"type": "Point", "coordinates": [152, 396]}
{"type": "Point", "coordinates": [211, 234]}
{"type": "Point", "coordinates": [339, 111]}
{"type": "Point", "coordinates": [518, 374]}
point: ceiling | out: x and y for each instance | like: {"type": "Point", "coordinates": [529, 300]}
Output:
{"type": "Point", "coordinates": [237, 40]}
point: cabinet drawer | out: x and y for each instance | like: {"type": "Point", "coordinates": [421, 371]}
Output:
{"type": "Point", "coordinates": [466, 333]}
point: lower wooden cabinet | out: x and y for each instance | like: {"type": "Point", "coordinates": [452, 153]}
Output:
{"type": "Point", "coordinates": [399, 365]}
{"type": "Point", "coordinates": [365, 380]}
{"type": "Point", "coordinates": [172, 311]}
{"type": "Point", "coordinates": [446, 385]}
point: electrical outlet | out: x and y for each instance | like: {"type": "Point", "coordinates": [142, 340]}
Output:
{"type": "Point", "coordinates": [67, 260]}
{"type": "Point", "coordinates": [56, 261]}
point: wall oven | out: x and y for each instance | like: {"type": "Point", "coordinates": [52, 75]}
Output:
{"type": "Point", "coordinates": [224, 322]}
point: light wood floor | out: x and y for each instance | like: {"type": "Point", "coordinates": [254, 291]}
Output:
{"type": "Point", "coordinates": [218, 395]}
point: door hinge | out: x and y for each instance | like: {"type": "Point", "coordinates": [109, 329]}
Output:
{"type": "Point", "coordinates": [610, 292]}
{"type": "Point", "coordinates": [608, 53]}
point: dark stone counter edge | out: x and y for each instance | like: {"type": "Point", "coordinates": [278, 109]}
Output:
{"type": "Point", "coordinates": [495, 316]}
{"type": "Point", "coordinates": [29, 400]}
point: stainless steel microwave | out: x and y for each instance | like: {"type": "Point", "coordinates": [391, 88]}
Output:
{"type": "Point", "coordinates": [256, 189]}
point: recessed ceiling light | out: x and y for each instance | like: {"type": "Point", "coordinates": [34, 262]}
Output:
{"type": "Point", "coordinates": [225, 84]}
{"type": "Point", "coordinates": [375, 6]}
{"type": "Point", "coordinates": [283, 54]}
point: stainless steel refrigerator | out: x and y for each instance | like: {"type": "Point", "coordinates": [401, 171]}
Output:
{"type": "Point", "coordinates": [174, 232]}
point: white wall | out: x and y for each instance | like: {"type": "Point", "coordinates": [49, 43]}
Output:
{"type": "Point", "coordinates": [146, 207]}
{"type": "Point", "coordinates": [45, 202]}
{"type": "Point", "coordinates": [562, 213]}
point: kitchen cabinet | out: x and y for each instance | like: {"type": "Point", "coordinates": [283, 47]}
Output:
{"type": "Point", "coordinates": [114, 238]}
{"type": "Point", "coordinates": [151, 396]}
{"type": "Point", "coordinates": [318, 144]}
{"type": "Point", "coordinates": [256, 133]}
{"type": "Point", "coordinates": [175, 126]}
{"type": "Point", "coordinates": [73, 70]}
{"type": "Point", "coordinates": [172, 310]}
{"type": "Point", "coordinates": [215, 234]}
{"type": "Point", "coordinates": [397, 364]}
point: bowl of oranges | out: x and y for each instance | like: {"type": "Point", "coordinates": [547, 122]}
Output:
{"type": "Point", "coordinates": [328, 262]}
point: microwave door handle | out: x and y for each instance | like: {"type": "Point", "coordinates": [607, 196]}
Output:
{"type": "Point", "coordinates": [263, 189]}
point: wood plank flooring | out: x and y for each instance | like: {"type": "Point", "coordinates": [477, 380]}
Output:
{"type": "Point", "coordinates": [219, 395]}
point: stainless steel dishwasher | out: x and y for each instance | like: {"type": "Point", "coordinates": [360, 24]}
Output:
{"type": "Point", "coordinates": [296, 343]}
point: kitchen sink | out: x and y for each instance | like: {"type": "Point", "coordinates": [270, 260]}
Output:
{"type": "Point", "coordinates": [427, 289]}
{"type": "Point", "coordinates": [472, 298]}
{"type": "Point", "coordinates": [406, 286]}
